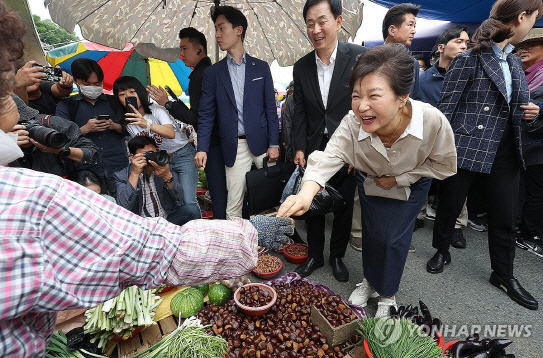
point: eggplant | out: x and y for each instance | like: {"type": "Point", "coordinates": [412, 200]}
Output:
{"type": "Point", "coordinates": [496, 346]}
{"type": "Point", "coordinates": [463, 348]}
{"type": "Point", "coordinates": [393, 311]}
{"type": "Point", "coordinates": [483, 354]}
{"type": "Point", "coordinates": [473, 337]}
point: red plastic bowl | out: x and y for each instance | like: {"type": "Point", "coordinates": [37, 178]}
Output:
{"type": "Point", "coordinates": [440, 342]}
{"type": "Point", "coordinates": [269, 275]}
{"type": "Point", "coordinates": [292, 258]}
{"type": "Point", "coordinates": [448, 345]}
{"type": "Point", "coordinates": [201, 191]}
{"type": "Point", "coordinates": [207, 215]}
{"type": "Point", "coordinates": [256, 311]}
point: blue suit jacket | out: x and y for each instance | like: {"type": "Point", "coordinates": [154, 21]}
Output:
{"type": "Point", "coordinates": [259, 111]}
{"type": "Point", "coordinates": [474, 99]}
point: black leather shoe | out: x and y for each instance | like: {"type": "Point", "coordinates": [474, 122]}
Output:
{"type": "Point", "coordinates": [340, 270]}
{"type": "Point", "coordinates": [436, 263]}
{"type": "Point", "coordinates": [309, 266]}
{"type": "Point", "coordinates": [514, 290]}
{"type": "Point", "coordinates": [458, 239]}
{"type": "Point", "coordinates": [419, 224]}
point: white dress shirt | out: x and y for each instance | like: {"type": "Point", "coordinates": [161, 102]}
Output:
{"type": "Point", "coordinates": [324, 74]}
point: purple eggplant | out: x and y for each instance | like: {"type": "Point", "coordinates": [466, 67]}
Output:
{"type": "Point", "coordinates": [462, 349]}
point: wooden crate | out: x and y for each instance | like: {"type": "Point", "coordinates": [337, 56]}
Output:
{"type": "Point", "coordinates": [146, 338]}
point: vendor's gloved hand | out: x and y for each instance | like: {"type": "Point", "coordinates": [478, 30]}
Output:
{"type": "Point", "coordinates": [273, 231]}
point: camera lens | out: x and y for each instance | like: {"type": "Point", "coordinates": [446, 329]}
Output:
{"type": "Point", "coordinates": [47, 136]}
{"type": "Point", "coordinates": [162, 157]}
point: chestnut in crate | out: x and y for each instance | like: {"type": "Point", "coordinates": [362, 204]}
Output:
{"type": "Point", "coordinates": [285, 331]}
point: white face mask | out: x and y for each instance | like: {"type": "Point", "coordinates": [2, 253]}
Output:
{"type": "Point", "coordinates": [9, 150]}
{"type": "Point", "coordinates": [91, 92]}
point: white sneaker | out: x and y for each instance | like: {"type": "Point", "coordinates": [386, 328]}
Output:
{"type": "Point", "coordinates": [383, 307]}
{"type": "Point", "coordinates": [362, 293]}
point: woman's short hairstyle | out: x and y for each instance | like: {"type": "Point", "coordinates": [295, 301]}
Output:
{"type": "Point", "coordinates": [128, 82]}
{"type": "Point", "coordinates": [12, 29]}
{"type": "Point", "coordinates": [393, 61]}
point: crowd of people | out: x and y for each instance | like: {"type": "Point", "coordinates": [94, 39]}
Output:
{"type": "Point", "coordinates": [400, 140]}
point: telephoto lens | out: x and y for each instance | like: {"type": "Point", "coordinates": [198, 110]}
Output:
{"type": "Point", "coordinates": [161, 157]}
{"type": "Point", "coordinates": [46, 136]}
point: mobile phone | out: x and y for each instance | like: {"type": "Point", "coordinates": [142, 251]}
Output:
{"type": "Point", "coordinates": [52, 74]}
{"type": "Point", "coordinates": [133, 101]}
{"type": "Point", "coordinates": [104, 117]}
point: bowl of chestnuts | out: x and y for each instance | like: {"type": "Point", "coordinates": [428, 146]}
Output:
{"type": "Point", "coordinates": [255, 299]}
{"type": "Point", "coordinates": [296, 253]}
{"type": "Point", "coordinates": [267, 266]}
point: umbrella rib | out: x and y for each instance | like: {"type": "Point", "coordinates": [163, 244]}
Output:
{"type": "Point", "coordinates": [304, 34]}
{"type": "Point", "coordinates": [260, 23]}
{"type": "Point", "coordinates": [143, 22]}
{"type": "Point", "coordinates": [93, 11]}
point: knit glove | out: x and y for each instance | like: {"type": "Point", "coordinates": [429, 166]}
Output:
{"type": "Point", "coordinates": [273, 231]}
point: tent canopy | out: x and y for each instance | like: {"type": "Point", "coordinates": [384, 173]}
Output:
{"type": "Point", "coordinates": [454, 11]}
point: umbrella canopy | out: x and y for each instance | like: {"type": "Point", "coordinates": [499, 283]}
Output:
{"type": "Point", "coordinates": [126, 62]}
{"type": "Point", "coordinates": [276, 27]}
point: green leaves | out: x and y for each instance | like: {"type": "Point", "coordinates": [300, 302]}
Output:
{"type": "Point", "coordinates": [52, 34]}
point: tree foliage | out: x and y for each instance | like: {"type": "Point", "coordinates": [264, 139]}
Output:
{"type": "Point", "coordinates": [51, 34]}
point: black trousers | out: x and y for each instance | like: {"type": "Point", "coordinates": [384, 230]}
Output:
{"type": "Point", "coordinates": [531, 203]}
{"type": "Point", "coordinates": [343, 218]}
{"type": "Point", "coordinates": [501, 188]}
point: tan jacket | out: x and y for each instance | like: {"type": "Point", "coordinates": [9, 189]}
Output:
{"type": "Point", "coordinates": [425, 149]}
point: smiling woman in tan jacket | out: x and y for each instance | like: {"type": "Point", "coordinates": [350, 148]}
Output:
{"type": "Point", "coordinates": [397, 145]}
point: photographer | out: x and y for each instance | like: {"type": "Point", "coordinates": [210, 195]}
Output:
{"type": "Point", "coordinates": [40, 91]}
{"type": "Point", "coordinates": [147, 186]}
{"type": "Point", "coordinates": [37, 135]}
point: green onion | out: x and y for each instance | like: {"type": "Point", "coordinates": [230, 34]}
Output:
{"type": "Point", "coordinates": [391, 338]}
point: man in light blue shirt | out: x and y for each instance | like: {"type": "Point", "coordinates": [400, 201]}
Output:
{"type": "Point", "coordinates": [237, 91]}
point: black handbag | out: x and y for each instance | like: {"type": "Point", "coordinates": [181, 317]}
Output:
{"type": "Point", "coordinates": [327, 201]}
{"type": "Point", "coordinates": [265, 186]}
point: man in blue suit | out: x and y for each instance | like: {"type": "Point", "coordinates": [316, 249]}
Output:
{"type": "Point", "coordinates": [238, 91]}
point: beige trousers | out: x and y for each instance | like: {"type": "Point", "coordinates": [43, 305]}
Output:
{"type": "Point", "coordinates": [235, 178]}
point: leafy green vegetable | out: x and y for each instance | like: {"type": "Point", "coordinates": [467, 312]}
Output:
{"type": "Point", "coordinates": [121, 315]}
{"type": "Point", "coordinates": [58, 348]}
{"type": "Point", "coordinates": [190, 340]}
{"type": "Point", "coordinates": [392, 338]}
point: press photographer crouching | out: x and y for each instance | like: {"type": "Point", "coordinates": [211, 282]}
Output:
{"type": "Point", "coordinates": [51, 144]}
{"type": "Point", "coordinates": [147, 186]}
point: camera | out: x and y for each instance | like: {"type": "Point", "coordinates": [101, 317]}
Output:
{"type": "Point", "coordinates": [161, 157]}
{"type": "Point", "coordinates": [45, 135]}
{"type": "Point", "coordinates": [53, 74]}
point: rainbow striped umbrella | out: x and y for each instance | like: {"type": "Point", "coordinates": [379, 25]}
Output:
{"type": "Point", "coordinates": [126, 62]}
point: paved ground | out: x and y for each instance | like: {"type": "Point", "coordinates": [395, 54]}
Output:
{"type": "Point", "coordinates": [461, 295]}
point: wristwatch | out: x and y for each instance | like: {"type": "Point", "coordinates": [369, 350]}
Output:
{"type": "Point", "coordinates": [169, 180]}
{"type": "Point", "coordinates": [65, 152]}
{"type": "Point", "coordinates": [168, 105]}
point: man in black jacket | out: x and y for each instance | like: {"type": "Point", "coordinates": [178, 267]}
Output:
{"type": "Point", "coordinates": [322, 98]}
{"type": "Point", "coordinates": [194, 54]}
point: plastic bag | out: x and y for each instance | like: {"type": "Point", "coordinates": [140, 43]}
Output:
{"type": "Point", "coordinates": [327, 201]}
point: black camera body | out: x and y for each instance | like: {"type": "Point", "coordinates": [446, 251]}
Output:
{"type": "Point", "coordinates": [45, 135]}
{"type": "Point", "coordinates": [161, 157]}
{"type": "Point", "coordinates": [53, 74]}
